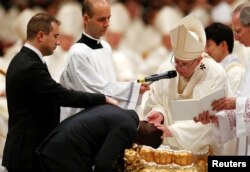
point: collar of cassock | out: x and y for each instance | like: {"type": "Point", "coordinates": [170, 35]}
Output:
{"type": "Point", "coordinates": [90, 41]}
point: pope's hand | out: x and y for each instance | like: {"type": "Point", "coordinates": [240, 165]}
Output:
{"type": "Point", "coordinates": [165, 130]}
{"type": "Point", "coordinates": [144, 87]}
{"type": "Point", "coordinates": [155, 117]}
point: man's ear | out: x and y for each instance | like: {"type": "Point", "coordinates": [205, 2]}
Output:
{"type": "Point", "coordinates": [40, 36]}
{"type": "Point", "coordinates": [85, 18]}
{"type": "Point", "coordinates": [224, 45]}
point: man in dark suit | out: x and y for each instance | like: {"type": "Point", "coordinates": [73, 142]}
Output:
{"type": "Point", "coordinates": [95, 137]}
{"type": "Point", "coordinates": [34, 98]}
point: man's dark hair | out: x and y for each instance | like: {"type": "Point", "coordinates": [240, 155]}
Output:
{"type": "Point", "coordinates": [219, 32]}
{"type": "Point", "coordinates": [40, 22]}
{"type": "Point", "coordinates": [87, 7]}
{"type": "Point", "coordinates": [148, 134]}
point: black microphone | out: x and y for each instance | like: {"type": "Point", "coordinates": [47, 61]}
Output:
{"type": "Point", "coordinates": [156, 77]}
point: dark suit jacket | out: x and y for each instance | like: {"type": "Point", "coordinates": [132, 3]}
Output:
{"type": "Point", "coordinates": [96, 136]}
{"type": "Point", "coordinates": [34, 101]}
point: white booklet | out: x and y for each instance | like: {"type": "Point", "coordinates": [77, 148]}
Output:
{"type": "Point", "coordinates": [186, 109]}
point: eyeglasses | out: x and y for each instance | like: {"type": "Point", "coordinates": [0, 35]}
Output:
{"type": "Point", "coordinates": [183, 65]}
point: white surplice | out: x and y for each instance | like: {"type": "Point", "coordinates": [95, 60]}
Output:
{"type": "Point", "coordinates": [235, 71]}
{"type": "Point", "coordinates": [236, 123]}
{"type": "Point", "coordinates": [91, 70]}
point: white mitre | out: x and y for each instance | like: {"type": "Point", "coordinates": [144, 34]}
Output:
{"type": "Point", "coordinates": [188, 38]}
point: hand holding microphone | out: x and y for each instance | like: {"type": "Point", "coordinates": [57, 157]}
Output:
{"type": "Point", "coordinates": [166, 75]}
{"type": "Point", "coordinates": [144, 88]}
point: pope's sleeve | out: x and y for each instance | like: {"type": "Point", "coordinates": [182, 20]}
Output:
{"type": "Point", "coordinates": [187, 135]}
{"type": "Point", "coordinates": [159, 94]}
{"type": "Point", "coordinates": [155, 101]}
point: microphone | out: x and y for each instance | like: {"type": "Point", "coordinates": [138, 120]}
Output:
{"type": "Point", "coordinates": [156, 77]}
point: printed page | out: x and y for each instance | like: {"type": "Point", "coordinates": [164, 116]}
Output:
{"type": "Point", "coordinates": [206, 101]}
{"type": "Point", "coordinates": [186, 109]}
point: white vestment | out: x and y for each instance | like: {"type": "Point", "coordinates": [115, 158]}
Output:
{"type": "Point", "coordinates": [56, 63]}
{"type": "Point", "coordinates": [236, 122]}
{"type": "Point", "coordinates": [3, 111]}
{"type": "Point", "coordinates": [123, 66]}
{"type": "Point", "coordinates": [91, 70]}
{"type": "Point", "coordinates": [126, 63]}
{"type": "Point", "coordinates": [208, 77]}
{"type": "Point", "coordinates": [235, 71]}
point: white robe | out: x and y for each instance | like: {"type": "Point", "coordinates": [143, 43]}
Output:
{"type": "Point", "coordinates": [126, 64]}
{"type": "Point", "coordinates": [236, 122]}
{"type": "Point", "coordinates": [56, 63]}
{"type": "Point", "coordinates": [187, 134]}
{"type": "Point", "coordinates": [92, 70]}
{"type": "Point", "coordinates": [3, 111]}
{"type": "Point", "coordinates": [235, 71]}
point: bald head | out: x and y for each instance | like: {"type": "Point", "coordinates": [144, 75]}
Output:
{"type": "Point", "coordinates": [89, 5]}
